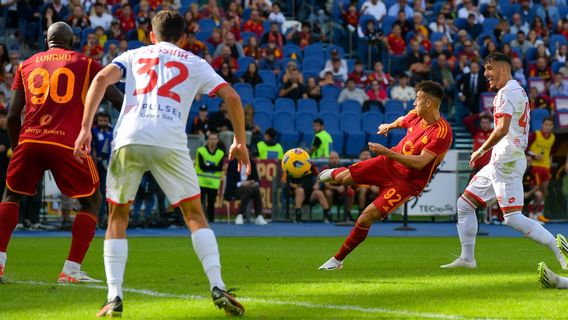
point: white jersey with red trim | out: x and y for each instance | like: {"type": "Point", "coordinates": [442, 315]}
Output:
{"type": "Point", "coordinates": [512, 101]}
{"type": "Point", "coordinates": [161, 83]}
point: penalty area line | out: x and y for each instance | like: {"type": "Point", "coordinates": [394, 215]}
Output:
{"type": "Point", "coordinates": [157, 294]}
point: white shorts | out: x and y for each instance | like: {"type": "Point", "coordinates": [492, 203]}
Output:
{"type": "Point", "coordinates": [173, 170]}
{"type": "Point", "coordinates": [501, 181]}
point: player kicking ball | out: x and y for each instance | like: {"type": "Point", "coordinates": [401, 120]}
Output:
{"type": "Point", "coordinates": [547, 277]}
{"type": "Point", "coordinates": [401, 172]}
{"type": "Point", "coordinates": [51, 85]}
{"type": "Point", "coordinates": [161, 83]}
{"type": "Point", "coordinates": [502, 178]}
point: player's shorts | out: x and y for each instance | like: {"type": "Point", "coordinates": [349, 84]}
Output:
{"type": "Point", "coordinates": [173, 170]}
{"type": "Point", "coordinates": [501, 181]}
{"type": "Point", "coordinates": [392, 191]}
{"type": "Point", "coordinates": [30, 160]}
{"type": "Point", "coordinates": [540, 174]}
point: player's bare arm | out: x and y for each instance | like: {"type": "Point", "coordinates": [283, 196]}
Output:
{"type": "Point", "coordinates": [500, 131]}
{"type": "Point", "coordinates": [115, 97]}
{"type": "Point", "coordinates": [14, 118]}
{"type": "Point", "coordinates": [111, 74]}
{"type": "Point", "coordinates": [386, 127]}
{"type": "Point", "coordinates": [416, 162]}
{"type": "Point", "coordinates": [234, 106]}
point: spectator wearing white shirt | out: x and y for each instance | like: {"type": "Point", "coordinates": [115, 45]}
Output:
{"type": "Point", "coordinates": [558, 88]}
{"type": "Point", "coordinates": [351, 92]}
{"type": "Point", "coordinates": [519, 72]}
{"type": "Point", "coordinates": [343, 67]}
{"type": "Point", "coordinates": [276, 15]}
{"type": "Point", "coordinates": [100, 18]}
{"type": "Point", "coordinates": [401, 5]}
{"type": "Point", "coordinates": [376, 8]}
{"type": "Point", "coordinates": [519, 25]}
{"type": "Point", "coordinates": [403, 91]}
{"type": "Point", "coordinates": [440, 25]}
{"type": "Point", "coordinates": [12, 66]}
{"type": "Point", "coordinates": [339, 74]}
{"type": "Point", "coordinates": [470, 8]}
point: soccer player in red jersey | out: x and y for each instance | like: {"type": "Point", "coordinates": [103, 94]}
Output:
{"type": "Point", "coordinates": [401, 172]}
{"type": "Point", "coordinates": [52, 86]}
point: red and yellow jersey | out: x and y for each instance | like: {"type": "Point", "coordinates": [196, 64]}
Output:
{"type": "Point", "coordinates": [435, 139]}
{"type": "Point", "coordinates": [543, 146]}
{"type": "Point", "coordinates": [55, 83]}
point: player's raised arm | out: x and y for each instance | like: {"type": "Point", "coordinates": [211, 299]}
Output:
{"type": "Point", "coordinates": [236, 115]}
{"type": "Point", "coordinates": [111, 74]}
{"type": "Point", "coordinates": [386, 127]}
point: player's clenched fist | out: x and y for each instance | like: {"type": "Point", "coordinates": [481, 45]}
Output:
{"type": "Point", "coordinates": [384, 129]}
{"type": "Point", "coordinates": [378, 148]}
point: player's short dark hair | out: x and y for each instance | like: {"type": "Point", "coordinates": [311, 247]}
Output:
{"type": "Point", "coordinates": [168, 26]}
{"type": "Point", "coordinates": [212, 132]}
{"type": "Point", "coordinates": [497, 57]}
{"type": "Point", "coordinates": [271, 133]}
{"type": "Point", "coordinates": [318, 121]}
{"type": "Point", "coordinates": [486, 117]}
{"type": "Point", "coordinates": [549, 118]}
{"type": "Point", "coordinates": [431, 88]}
{"type": "Point", "coordinates": [102, 114]}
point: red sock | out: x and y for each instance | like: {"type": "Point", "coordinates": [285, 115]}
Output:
{"type": "Point", "coordinates": [357, 235]}
{"type": "Point", "coordinates": [337, 171]}
{"type": "Point", "coordinates": [8, 220]}
{"type": "Point", "coordinates": [83, 232]}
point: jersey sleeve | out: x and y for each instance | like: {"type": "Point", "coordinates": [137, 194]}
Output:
{"type": "Point", "coordinates": [211, 82]}
{"type": "Point", "coordinates": [406, 121]}
{"type": "Point", "coordinates": [440, 140]}
{"type": "Point", "coordinates": [18, 83]}
{"type": "Point", "coordinates": [123, 62]}
{"type": "Point", "coordinates": [504, 106]}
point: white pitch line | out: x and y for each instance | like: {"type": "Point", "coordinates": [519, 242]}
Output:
{"type": "Point", "coordinates": [158, 294]}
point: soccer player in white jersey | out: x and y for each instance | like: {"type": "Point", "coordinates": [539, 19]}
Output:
{"type": "Point", "coordinates": [161, 83]}
{"type": "Point", "coordinates": [501, 179]}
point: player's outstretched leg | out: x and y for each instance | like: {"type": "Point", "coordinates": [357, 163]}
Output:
{"type": "Point", "coordinates": [115, 255]}
{"type": "Point", "coordinates": [533, 230]}
{"type": "Point", "coordinates": [83, 231]}
{"type": "Point", "coordinates": [207, 250]}
{"type": "Point", "coordinates": [339, 175]}
{"type": "Point", "coordinates": [562, 244]}
{"type": "Point", "coordinates": [549, 279]}
{"type": "Point", "coordinates": [358, 234]}
{"type": "Point", "coordinates": [467, 230]}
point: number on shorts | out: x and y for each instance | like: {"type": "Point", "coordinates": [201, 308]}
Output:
{"type": "Point", "coordinates": [393, 198]}
{"type": "Point", "coordinates": [49, 85]}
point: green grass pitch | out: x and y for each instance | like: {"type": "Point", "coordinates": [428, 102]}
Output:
{"type": "Point", "coordinates": [277, 278]}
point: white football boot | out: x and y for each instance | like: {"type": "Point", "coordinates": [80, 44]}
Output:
{"type": "Point", "coordinates": [460, 263]}
{"type": "Point", "coordinates": [325, 175]}
{"type": "Point", "coordinates": [562, 244]}
{"type": "Point", "coordinates": [76, 277]}
{"type": "Point", "coordinates": [239, 219]}
{"type": "Point", "coordinates": [332, 264]}
{"type": "Point", "coordinates": [260, 221]}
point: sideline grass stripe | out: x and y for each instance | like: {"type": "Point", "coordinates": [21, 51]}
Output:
{"type": "Point", "coordinates": [152, 293]}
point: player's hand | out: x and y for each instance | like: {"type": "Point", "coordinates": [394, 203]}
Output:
{"type": "Point", "coordinates": [240, 151]}
{"type": "Point", "coordinates": [82, 145]}
{"type": "Point", "coordinates": [384, 129]}
{"type": "Point", "coordinates": [474, 156]}
{"type": "Point", "coordinates": [378, 148]}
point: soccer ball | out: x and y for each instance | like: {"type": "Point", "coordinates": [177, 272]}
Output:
{"type": "Point", "coordinates": [296, 163]}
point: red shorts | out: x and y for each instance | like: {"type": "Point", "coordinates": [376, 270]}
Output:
{"type": "Point", "coordinates": [30, 160]}
{"type": "Point", "coordinates": [540, 174]}
{"type": "Point", "coordinates": [392, 191]}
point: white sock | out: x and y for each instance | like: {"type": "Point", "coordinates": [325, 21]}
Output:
{"type": "Point", "coordinates": [205, 246]}
{"type": "Point", "coordinates": [467, 228]}
{"type": "Point", "coordinates": [562, 283]}
{"type": "Point", "coordinates": [115, 254]}
{"type": "Point", "coordinates": [3, 258]}
{"type": "Point", "coordinates": [533, 230]}
{"type": "Point", "coordinates": [70, 267]}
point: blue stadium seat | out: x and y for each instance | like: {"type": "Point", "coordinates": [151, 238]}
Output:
{"type": "Point", "coordinates": [537, 115]}
{"type": "Point", "coordinates": [202, 35]}
{"type": "Point", "coordinates": [329, 105]}
{"type": "Point", "coordinates": [351, 106]}
{"type": "Point", "coordinates": [395, 136]}
{"type": "Point", "coordinates": [489, 24]}
{"type": "Point", "coordinates": [556, 65]}
{"type": "Point", "coordinates": [284, 104]}
{"type": "Point", "coordinates": [391, 116]}
{"type": "Point", "coordinates": [132, 35]}
{"type": "Point", "coordinates": [304, 120]}
{"type": "Point", "coordinates": [307, 105]}
{"type": "Point", "coordinates": [213, 104]}
{"type": "Point", "coordinates": [207, 25]}
{"type": "Point", "coordinates": [109, 42]}
{"type": "Point", "coordinates": [246, 13]}
{"type": "Point", "coordinates": [246, 35]}
{"type": "Point", "coordinates": [263, 105]}
{"type": "Point", "coordinates": [331, 122]}
{"type": "Point", "coordinates": [554, 39]}
{"type": "Point", "coordinates": [508, 37]}
{"type": "Point", "coordinates": [85, 32]}
{"type": "Point", "coordinates": [312, 65]}
{"type": "Point", "coordinates": [265, 90]}
{"type": "Point", "coordinates": [268, 77]}
{"type": "Point", "coordinates": [370, 124]}
{"type": "Point", "coordinates": [330, 92]}
{"type": "Point", "coordinates": [289, 49]}
{"type": "Point", "coordinates": [135, 44]}
{"type": "Point", "coordinates": [314, 50]}
{"type": "Point", "coordinates": [386, 24]}
{"type": "Point", "coordinates": [355, 137]}
{"type": "Point", "coordinates": [461, 23]}
{"type": "Point", "coordinates": [435, 36]}
{"type": "Point", "coordinates": [366, 17]}
{"type": "Point", "coordinates": [263, 120]}
{"type": "Point", "coordinates": [531, 54]}
{"type": "Point", "coordinates": [395, 106]}
{"type": "Point", "coordinates": [243, 62]}
{"type": "Point", "coordinates": [284, 123]}
{"type": "Point", "coordinates": [245, 91]}
{"type": "Point", "coordinates": [331, 48]}
{"type": "Point", "coordinates": [266, 25]}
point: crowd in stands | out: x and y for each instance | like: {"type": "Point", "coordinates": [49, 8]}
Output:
{"type": "Point", "coordinates": [351, 64]}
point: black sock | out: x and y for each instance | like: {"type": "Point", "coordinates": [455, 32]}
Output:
{"type": "Point", "coordinates": [298, 214]}
{"type": "Point", "coordinates": [326, 213]}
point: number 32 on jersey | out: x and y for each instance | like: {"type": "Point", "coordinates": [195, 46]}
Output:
{"type": "Point", "coordinates": [166, 89]}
